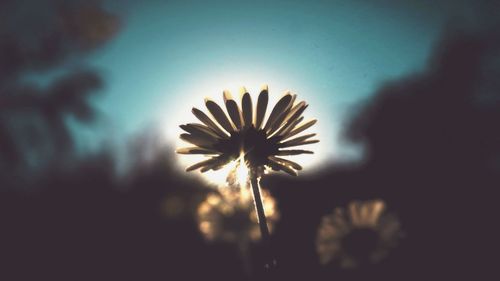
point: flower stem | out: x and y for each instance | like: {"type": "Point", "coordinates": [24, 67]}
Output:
{"type": "Point", "coordinates": [270, 261]}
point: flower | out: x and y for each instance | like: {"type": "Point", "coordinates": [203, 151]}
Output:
{"type": "Point", "coordinates": [229, 216]}
{"type": "Point", "coordinates": [245, 134]}
{"type": "Point", "coordinates": [362, 234]}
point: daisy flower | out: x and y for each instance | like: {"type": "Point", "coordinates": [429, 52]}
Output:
{"type": "Point", "coordinates": [361, 234]}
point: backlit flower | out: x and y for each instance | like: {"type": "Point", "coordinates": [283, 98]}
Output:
{"type": "Point", "coordinates": [243, 134]}
{"type": "Point", "coordinates": [362, 234]}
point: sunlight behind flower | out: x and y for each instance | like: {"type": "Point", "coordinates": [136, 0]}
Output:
{"type": "Point", "coordinates": [219, 177]}
{"type": "Point", "coordinates": [248, 135]}
{"type": "Point", "coordinates": [213, 85]}
{"type": "Point", "coordinates": [242, 171]}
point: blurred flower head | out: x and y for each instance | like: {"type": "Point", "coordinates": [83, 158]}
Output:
{"type": "Point", "coordinates": [229, 215]}
{"type": "Point", "coordinates": [362, 234]}
{"type": "Point", "coordinates": [245, 137]}
{"type": "Point", "coordinates": [181, 205]}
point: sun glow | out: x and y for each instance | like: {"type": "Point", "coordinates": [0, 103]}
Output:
{"type": "Point", "coordinates": [242, 171]}
{"type": "Point", "coordinates": [234, 173]}
{"type": "Point", "coordinates": [219, 177]}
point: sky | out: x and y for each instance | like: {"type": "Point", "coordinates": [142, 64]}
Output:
{"type": "Point", "coordinates": [169, 55]}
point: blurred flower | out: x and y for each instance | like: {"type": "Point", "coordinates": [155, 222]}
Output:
{"type": "Point", "coordinates": [245, 136]}
{"type": "Point", "coordinates": [362, 234]}
{"type": "Point", "coordinates": [229, 216]}
{"type": "Point", "coordinates": [181, 205]}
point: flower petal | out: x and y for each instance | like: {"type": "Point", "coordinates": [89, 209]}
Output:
{"type": "Point", "coordinates": [199, 140]}
{"type": "Point", "coordinates": [280, 120]}
{"type": "Point", "coordinates": [282, 167]}
{"type": "Point", "coordinates": [208, 167]}
{"type": "Point", "coordinates": [286, 162]}
{"type": "Point", "coordinates": [208, 121]}
{"type": "Point", "coordinates": [284, 119]}
{"type": "Point", "coordinates": [307, 142]}
{"type": "Point", "coordinates": [200, 164]}
{"type": "Point", "coordinates": [293, 152]}
{"type": "Point", "coordinates": [246, 105]}
{"type": "Point", "coordinates": [278, 109]}
{"type": "Point", "coordinates": [217, 164]}
{"type": "Point", "coordinates": [195, 150]}
{"type": "Point", "coordinates": [289, 127]}
{"type": "Point", "coordinates": [199, 129]}
{"type": "Point", "coordinates": [300, 129]}
{"type": "Point", "coordinates": [261, 107]}
{"type": "Point", "coordinates": [297, 111]}
{"type": "Point", "coordinates": [232, 109]}
{"type": "Point", "coordinates": [375, 210]}
{"type": "Point", "coordinates": [355, 213]}
{"type": "Point", "coordinates": [219, 115]}
{"type": "Point", "coordinates": [296, 141]}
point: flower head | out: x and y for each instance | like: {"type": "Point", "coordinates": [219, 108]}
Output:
{"type": "Point", "coordinates": [244, 134]}
{"type": "Point", "coordinates": [229, 216]}
{"type": "Point", "coordinates": [362, 234]}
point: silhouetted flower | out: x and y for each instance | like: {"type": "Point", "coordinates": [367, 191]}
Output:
{"type": "Point", "coordinates": [245, 134]}
{"type": "Point", "coordinates": [362, 234]}
{"type": "Point", "coordinates": [252, 145]}
{"type": "Point", "coordinates": [229, 216]}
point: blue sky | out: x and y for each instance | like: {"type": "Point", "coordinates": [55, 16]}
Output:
{"type": "Point", "coordinates": [171, 54]}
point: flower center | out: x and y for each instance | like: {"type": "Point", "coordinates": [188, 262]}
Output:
{"type": "Point", "coordinates": [254, 144]}
{"type": "Point", "coordinates": [360, 243]}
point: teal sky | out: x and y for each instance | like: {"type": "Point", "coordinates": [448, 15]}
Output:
{"type": "Point", "coordinates": [331, 53]}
